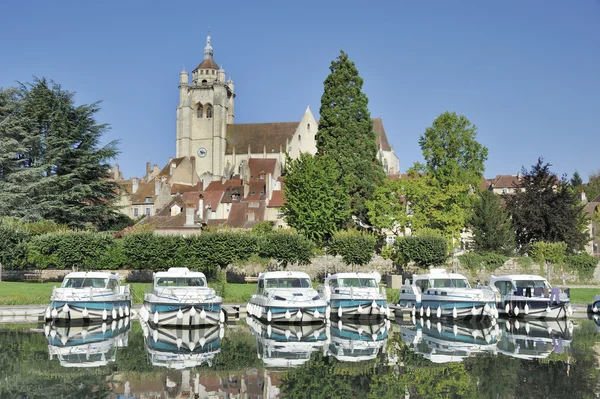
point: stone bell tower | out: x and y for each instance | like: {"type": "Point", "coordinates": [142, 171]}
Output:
{"type": "Point", "coordinates": [205, 108]}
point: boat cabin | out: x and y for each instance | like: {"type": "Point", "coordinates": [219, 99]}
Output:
{"type": "Point", "coordinates": [353, 280]}
{"type": "Point", "coordinates": [521, 284]}
{"type": "Point", "coordinates": [86, 280]}
{"type": "Point", "coordinates": [180, 277]}
{"type": "Point", "coordinates": [283, 280]}
{"type": "Point", "coordinates": [439, 278]}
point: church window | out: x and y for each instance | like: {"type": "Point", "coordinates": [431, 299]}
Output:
{"type": "Point", "coordinates": [201, 72]}
{"type": "Point", "coordinates": [209, 111]}
{"type": "Point", "coordinates": [199, 111]}
{"type": "Point", "coordinates": [213, 71]}
{"type": "Point", "coordinates": [299, 138]}
{"type": "Point", "coordinates": [308, 127]}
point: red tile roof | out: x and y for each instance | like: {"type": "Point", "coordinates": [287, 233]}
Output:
{"type": "Point", "coordinates": [264, 166]}
{"type": "Point", "coordinates": [208, 63]}
{"type": "Point", "coordinates": [166, 171]}
{"type": "Point", "coordinates": [178, 188]}
{"type": "Point", "coordinates": [257, 191]}
{"type": "Point", "coordinates": [506, 181]}
{"type": "Point", "coordinates": [144, 190]}
{"type": "Point", "coordinates": [257, 135]}
{"type": "Point", "coordinates": [277, 199]}
{"type": "Point", "coordinates": [212, 199]}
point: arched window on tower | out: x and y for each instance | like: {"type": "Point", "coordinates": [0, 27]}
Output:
{"type": "Point", "coordinates": [209, 111]}
{"type": "Point", "coordinates": [199, 111]}
{"type": "Point", "coordinates": [204, 82]}
{"type": "Point", "coordinates": [308, 127]}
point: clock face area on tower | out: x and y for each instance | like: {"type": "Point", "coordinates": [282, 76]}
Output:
{"type": "Point", "coordinates": [202, 152]}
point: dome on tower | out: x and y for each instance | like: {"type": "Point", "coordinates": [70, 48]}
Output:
{"type": "Point", "coordinates": [207, 62]}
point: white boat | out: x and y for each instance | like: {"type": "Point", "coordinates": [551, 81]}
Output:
{"type": "Point", "coordinates": [530, 296]}
{"type": "Point", "coordinates": [352, 295]}
{"type": "Point", "coordinates": [181, 298]}
{"type": "Point", "coordinates": [351, 342]}
{"type": "Point", "coordinates": [453, 341]}
{"type": "Point", "coordinates": [89, 296]}
{"type": "Point", "coordinates": [179, 348]}
{"type": "Point", "coordinates": [441, 294]}
{"type": "Point", "coordinates": [287, 297]}
{"type": "Point", "coordinates": [279, 345]}
{"type": "Point", "coordinates": [87, 346]}
{"type": "Point", "coordinates": [534, 339]}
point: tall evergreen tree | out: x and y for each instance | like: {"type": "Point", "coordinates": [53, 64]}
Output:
{"type": "Point", "coordinates": [346, 133]}
{"type": "Point", "coordinates": [576, 181]}
{"type": "Point", "coordinates": [55, 166]}
{"type": "Point", "coordinates": [546, 209]}
{"type": "Point", "coordinates": [492, 230]}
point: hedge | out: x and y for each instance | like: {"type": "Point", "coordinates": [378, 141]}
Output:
{"type": "Point", "coordinates": [584, 264]}
{"type": "Point", "coordinates": [424, 251]}
{"type": "Point", "coordinates": [475, 261]}
{"type": "Point", "coordinates": [356, 248]}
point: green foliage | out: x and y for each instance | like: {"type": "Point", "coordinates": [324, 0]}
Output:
{"type": "Point", "coordinates": [475, 261]}
{"type": "Point", "coordinates": [584, 264]}
{"type": "Point", "coordinates": [547, 210]}
{"type": "Point", "coordinates": [221, 248]}
{"type": "Point", "coordinates": [576, 181]}
{"type": "Point", "coordinates": [551, 252]}
{"type": "Point", "coordinates": [286, 246]}
{"type": "Point", "coordinates": [13, 238]}
{"type": "Point", "coordinates": [346, 133]}
{"type": "Point", "coordinates": [387, 207]}
{"type": "Point", "coordinates": [524, 261]}
{"type": "Point", "coordinates": [592, 189]}
{"type": "Point", "coordinates": [145, 250]}
{"type": "Point", "coordinates": [317, 205]}
{"type": "Point", "coordinates": [76, 249]}
{"type": "Point", "coordinates": [52, 165]}
{"type": "Point", "coordinates": [355, 248]}
{"type": "Point", "coordinates": [262, 228]}
{"type": "Point", "coordinates": [492, 231]}
{"type": "Point", "coordinates": [424, 251]}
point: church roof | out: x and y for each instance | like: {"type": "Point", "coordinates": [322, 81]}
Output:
{"type": "Point", "coordinates": [208, 63]}
{"type": "Point", "coordinates": [275, 136]}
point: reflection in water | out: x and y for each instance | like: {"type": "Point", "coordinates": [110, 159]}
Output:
{"type": "Point", "coordinates": [86, 346]}
{"type": "Point", "coordinates": [452, 341]}
{"type": "Point", "coordinates": [286, 345]}
{"type": "Point", "coordinates": [534, 339]}
{"type": "Point", "coordinates": [180, 348]}
{"type": "Point", "coordinates": [351, 342]}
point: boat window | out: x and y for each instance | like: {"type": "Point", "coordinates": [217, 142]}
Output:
{"type": "Point", "coordinates": [113, 285]}
{"type": "Point", "coordinates": [450, 283]}
{"type": "Point", "coordinates": [288, 282]}
{"type": "Point", "coordinates": [505, 287]}
{"type": "Point", "coordinates": [333, 283]}
{"type": "Point", "coordinates": [531, 284]}
{"type": "Point", "coordinates": [82, 282]}
{"type": "Point", "coordinates": [358, 282]}
{"type": "Point", "coordinates": [422, 284]}
{"type": "Point", "coordinates": [181, 282]}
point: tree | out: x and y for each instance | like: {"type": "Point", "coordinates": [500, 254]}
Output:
{"type": "Point", "coordinates": [316, 204]}
{"type": "Point", "coordinates": [52, 164]}
{"type": "Point", "coordinates": [492, 230]}
{"type": "Point", "coordinates": [346, 133]}
{"type": "Point", "coordinates": [355, 247]}
{"type": "Point", "coordinates": [592, 189]}
{"type": "Point", "coordinates": [423, 250]}
{"type": "Point", "coordinates": [439, 193]}
{"type": "Point", "coordinates": [576, 181]}
{"type": "Point", "coordinates": [546, 209]}
{"type": "Point", "coordinates": [387, 207]}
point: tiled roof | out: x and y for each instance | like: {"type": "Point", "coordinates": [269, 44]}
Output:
{"type": "Point", "coordinates": [166, 210]}
{"type": "Point", "coordinates": [178, 188]}
{"type": "Point", "coordinates": [165, 221]}
{"type": "Point", "coordinates": [381, 135]}
{"type": "Point", "coordinates": [125, 186]}
{"type": "Point", "coordinates": [144, 190]}
{"type": "Point", "coordinates": [277, 199]}
{"type": "Point", "coordinates": [208, 63]}
{"type": "Point", "coordinates": [257, 191]}
{"type": "Point", "coordinates": [237, 215]}
{"type": "Point", "coordinates": [597, 199]}
{"type": "Point", "coordinates": [230, 191]}
{"type": "Point", "coordinates": [212, 198]}
{"type": "Point", "coordinates": [257, 135]}
{"type": "Point", "coordinates": [506, 181]}
{"type": "Point", "coordinates": [258, 165]}
{"type": "Point", "coordinates": [591, 207]}
{"type": "Point", "coordinates": [165, 172]}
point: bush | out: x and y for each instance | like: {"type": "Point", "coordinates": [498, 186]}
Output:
{"type": "Point", "coordinates": [552, 252]}
{"type": "Point", "coordinates": [424, 251]}
{"type": "Point", "coordinates": [356, 248]}
{"type": "Point", "coordinates": [145, 250]}
{"type": "Point", "coordinates": [13, 250]}
{"type": "Point", "coordinates": [474, 261]}
{"type": "Point", "coordinates": [220, 248]}
{"type": "Point", "coordinates": [286, 246]}
{"type": "Point", "coordinates": [584, 264]}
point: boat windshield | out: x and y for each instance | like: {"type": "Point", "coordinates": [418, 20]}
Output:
{"type": "Point", "coordinates": [287, 282]}
{"type": "Point", "coordinates": [449, 283]}
{"type": "Point", "coordinates": [531, 284]}
{"type": "Point", "coordinates": [180, 282]}
{"type": "Point", "coordinates": [357, 282]}
{"type": "Point", "coordinates": [84, 282]}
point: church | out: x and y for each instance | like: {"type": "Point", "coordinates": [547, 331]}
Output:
{"type": "Point", "coordinates": [224, 173]}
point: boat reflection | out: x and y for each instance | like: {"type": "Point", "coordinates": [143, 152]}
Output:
{"type": "Point", "coordinates": [449, 342]}
{"type": "Point", "coordinates": [351, 342]}
{"type": "Point", "coordinates": [290, 345]}
{"type": "Point", "coordinates": [180, 348]}
{"type": "Point", "coordinates": [596, 319]}
{"type": "Point", "coordinates": [534, 339]}
{"type": "Point", "coordinates": [87, 346]}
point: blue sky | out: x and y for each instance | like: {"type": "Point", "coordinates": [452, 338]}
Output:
{"type": "Point", "coordinates": [526, 72]}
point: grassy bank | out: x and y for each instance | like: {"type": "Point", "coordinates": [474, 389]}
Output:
{"type": "Point", "coordinates": [39, 293]}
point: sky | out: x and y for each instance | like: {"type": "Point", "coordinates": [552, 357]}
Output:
{"type": "Point", "coordinates": [525, 72]}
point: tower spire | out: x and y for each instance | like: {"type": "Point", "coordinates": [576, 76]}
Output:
{"type": "Point", "coordinates": [208, 50]}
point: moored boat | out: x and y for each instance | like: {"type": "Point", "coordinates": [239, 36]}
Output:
{"type": "Point", "coordinates": [181, 298]}
{"type": "Point", "coordinates": [352, 295]}
{"type": "Point", "coordinates": [353, 342]}
{"type": "Point", "coordinates": [89, 296]}
{"type": "Point", "coordinates": [441, 294]}
{"type": "Point", "coordinates": [531, 296]}
{"type": "Point", "coordinates": [287, 297]}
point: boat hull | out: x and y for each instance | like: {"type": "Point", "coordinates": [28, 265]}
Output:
{"type": "Point", "coordinates": [68, 311]}
{"type": "Point", "coordinates": [283, 312]}
{"type": "Point", "coordinates": [344, 308]}
{"type": "Point", "coordinates": [536, 309]}
{"type": "Point", "coordinates": [182, 314]}
{"type": "Point", "coordinates": [432, 307]}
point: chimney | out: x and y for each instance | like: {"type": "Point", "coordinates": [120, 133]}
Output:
{"type": "Point", "coordinates": [189, 214]}
{"type": "Point", "coordinates": [269, 187]}
{"type": "Point", "coordinates": [246, 189]}
{"type": "Point", "coordinates": [201, 208]}
{"type": "Point", "coordinates": [156, 186]}
{"type": "Point", "coordinates": [134, 185]}
{"type": "Point", "coordinates": [582, 197]}
{"type": "Point", "coordinates": [171, 168]}
{"type": "Point", "coordinates": [116, 172]}
{"type": "Point", "coordinates": [148, 168]}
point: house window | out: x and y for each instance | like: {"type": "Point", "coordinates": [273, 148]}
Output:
{"type": "Point", "coordinates": [136, 212]}
{"type": "Point", "coordinates": [279, 214]}
{"type": "Point", "coordinates": [504, 191]}
{"type": "Point", "coordinates": [253, 192]}
{"type": "Point", "coordinates": [147, 211]}
{"type": "Point", "coordinates": [262, 176]}
{"type": "Point", "coordinates": [199, 111]}
{"type": "Point", "coordinates": [262, 193]}
{"type": "Point", "coordinates": [148, 199]}
{"type": "Point", "coordinates": [209, 111]}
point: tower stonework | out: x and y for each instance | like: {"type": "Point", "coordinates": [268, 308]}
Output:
{"type": "Point", "coordinates": [205, 108]}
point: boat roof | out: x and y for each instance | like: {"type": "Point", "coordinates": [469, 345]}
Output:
{"type": "Point", "coordinates": [373, 274]}
{"type": "Point", "coordinates": [517, 277]}
{"type": "Point", "coordinates": [92, 275]}
{"type": "Point", "coordinates": [179, 272]}
{"type": "Point", "coordinates": [283, 275]}
{"type": "Point", "coordinates": [438, 273]}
